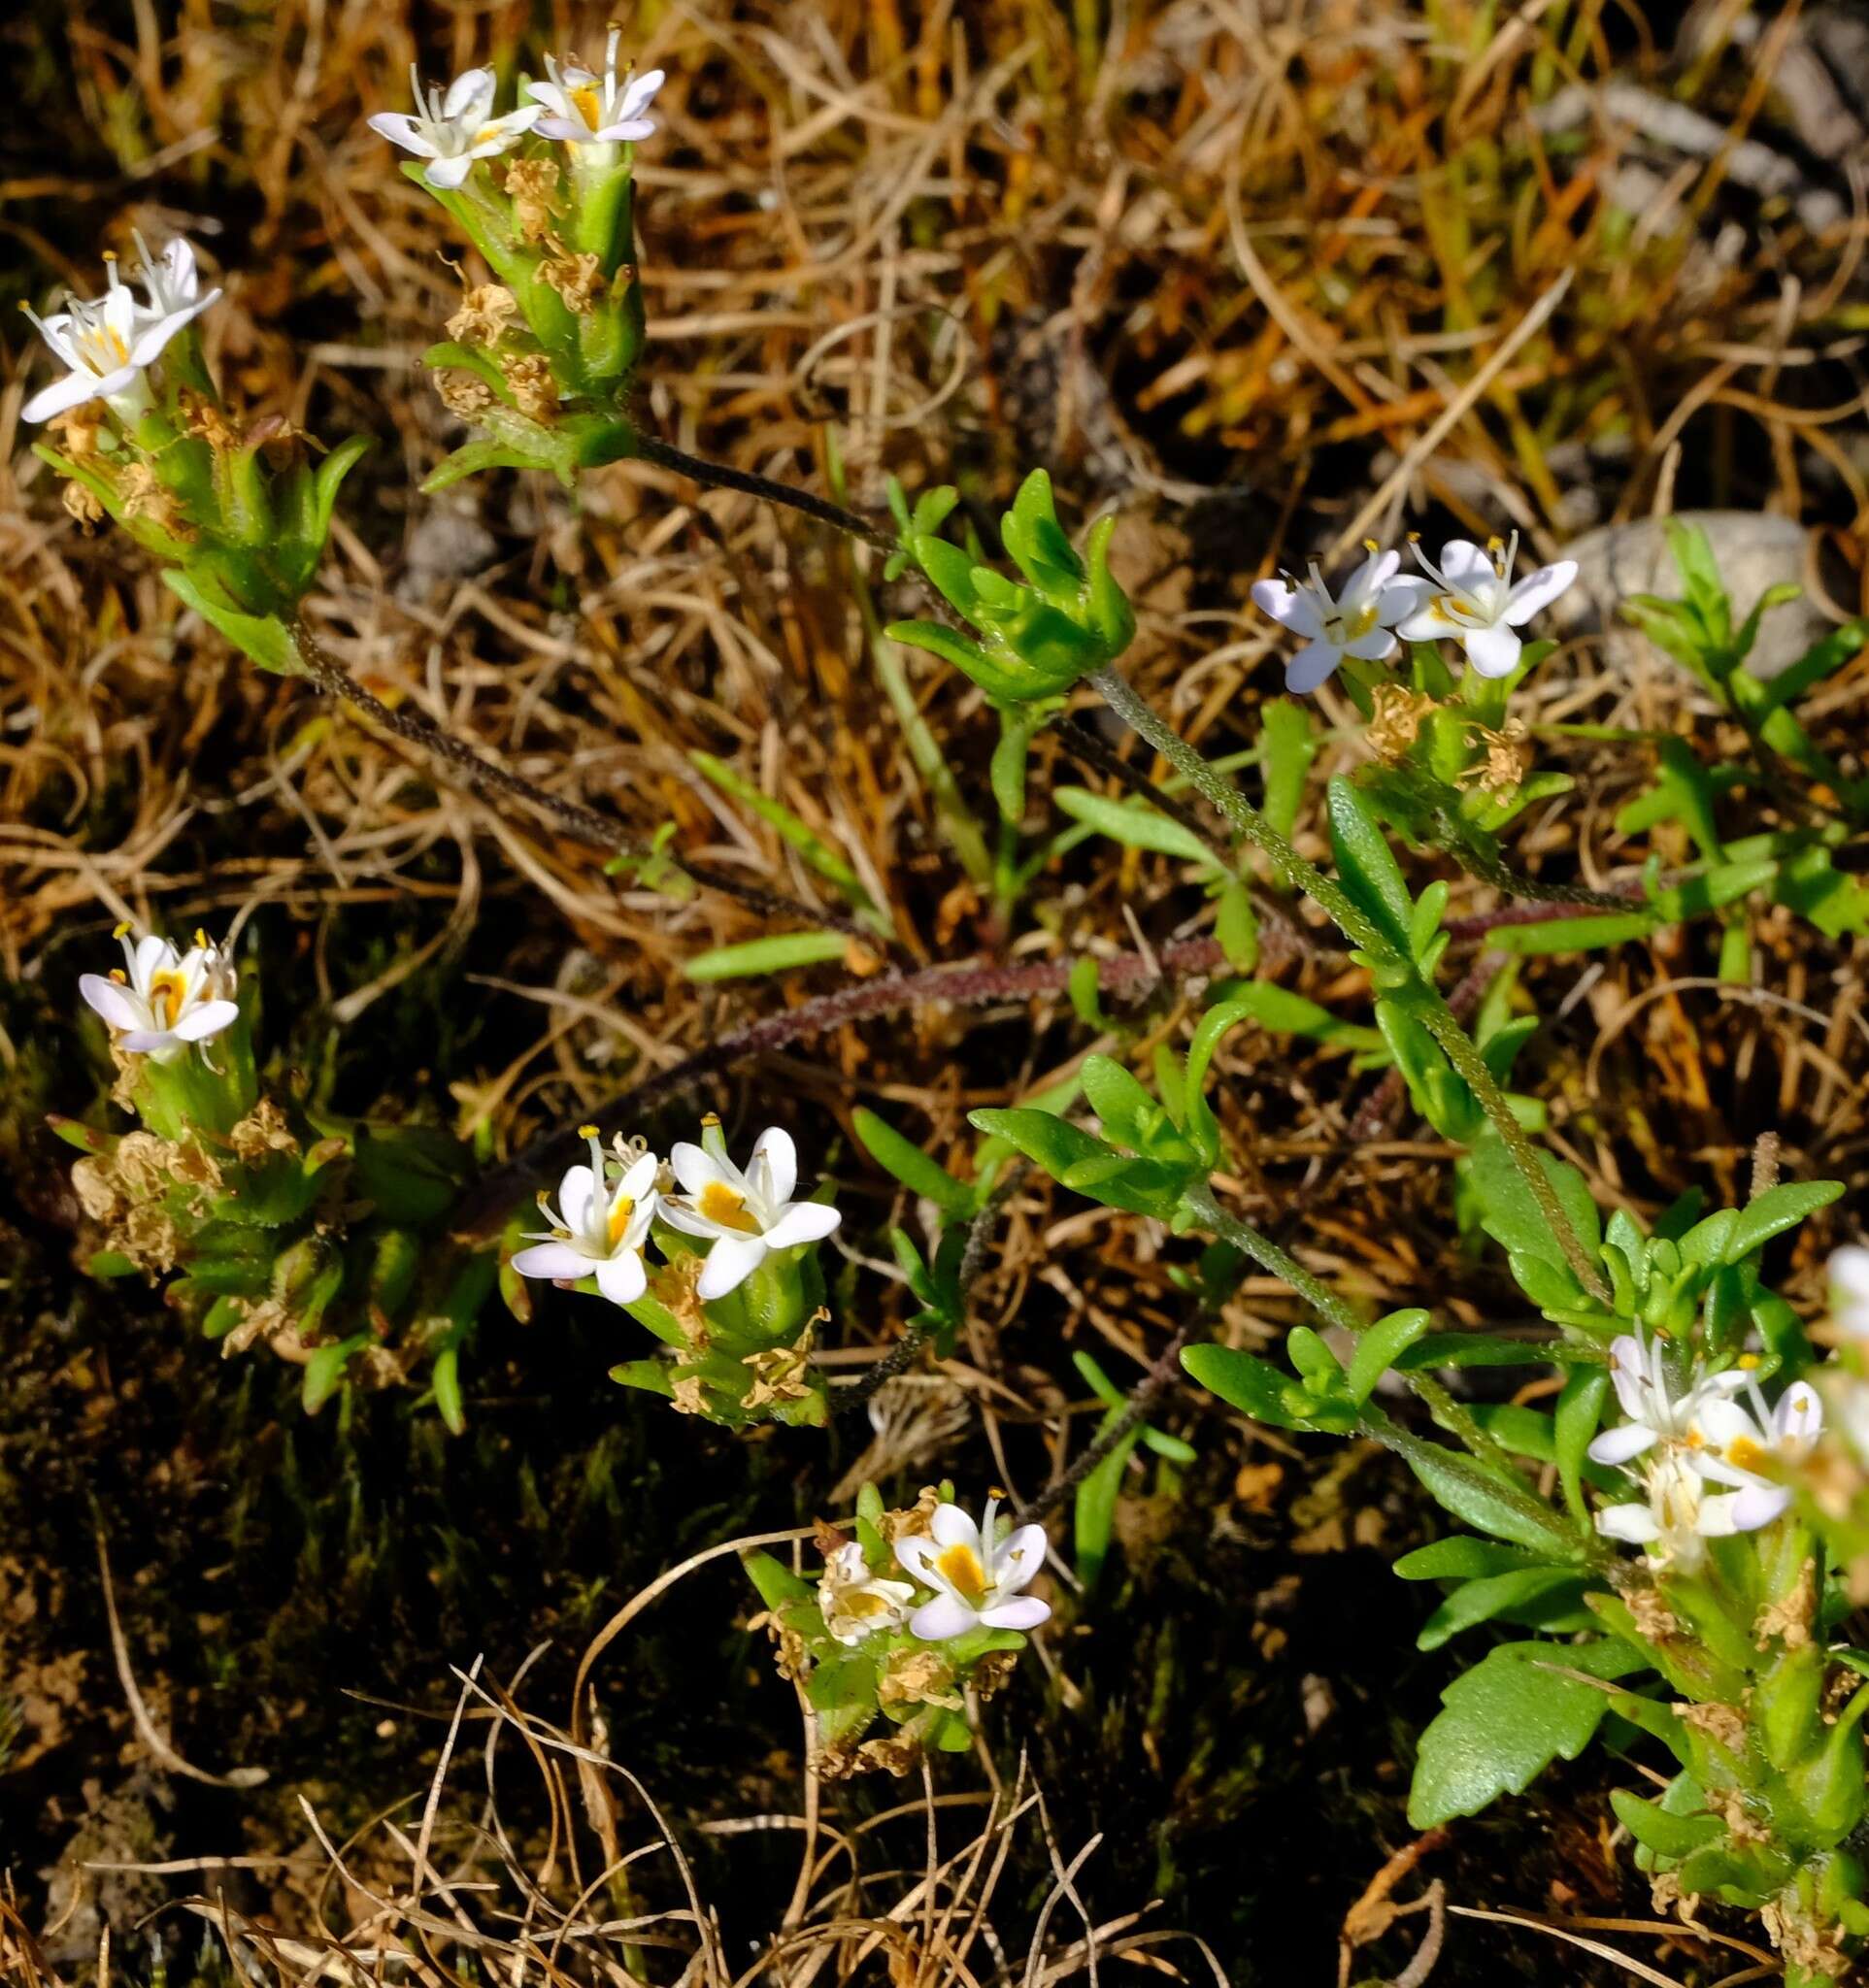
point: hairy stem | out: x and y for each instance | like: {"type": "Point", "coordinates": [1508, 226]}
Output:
{"type": "Point", "coordinates": [585, 824]}
{"type": "Point", "coordinates": [720, 475]}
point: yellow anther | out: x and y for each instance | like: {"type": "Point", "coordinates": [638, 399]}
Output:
{"type": "Point", "coordinates": [1747, 1362]}
{"type": "Point", "coordinates": [122, 929]}
{"type": "Point", "coordinates": [201, 939]}
{"type": "Point", "coordinates": [710, 1118]}
{"type": "Point", "coordinates": [587, 1132]}
{"type": "Point", "coordinates": [1370, 545]}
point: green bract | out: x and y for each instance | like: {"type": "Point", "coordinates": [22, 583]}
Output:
{"type": "Point", "coordinates": [1029, 642]}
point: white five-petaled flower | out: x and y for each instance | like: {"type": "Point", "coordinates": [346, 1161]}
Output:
{"type": "Point", "coordinates": [161, 1001]}
{"type": "Point", "coordinates": [600, 1228]}
{"type": "Point", "coordinates": [855, 1602]}
{"type": "Point", "coordinates": [591, 107]}
{"type": "Point", "coordinates": [1676, 1514]}
{"type": "Point", "coordinates": [1655, 1413]}
{"type": "Point", "coordinates": [1736, 1441]}
{"type": "Point", "coordinates": [745, 1216]}
{"type": "Point", "coordinates": [977, 1581]}
{"type": "Point", "coordinates": [1474, 600]}
{"type": "Point", "coordinates": [1850, 1289]}
{"type": "Point", "coordinates": [1358, 622]}
{"type": "Point", "coordinates": [452, 130]}
{"type": "Point", "coordinates": [108, 342]}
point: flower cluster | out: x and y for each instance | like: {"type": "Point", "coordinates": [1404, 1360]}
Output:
{"type": "Point", "coordinates": [738, 1293]}
{"type": "Point", "coordinates": [606, 1210]}
{"type": "Point", "coordinates": [160, 1002]}
{"type": "Point", "coordinates": [920, 1608]}
{"type": "Point", "coordinates": [109, 343]}
{"type": "Point", "coordinates": [1715, 1467]}
{"type": "Point", "coordinates": [1470, 598]}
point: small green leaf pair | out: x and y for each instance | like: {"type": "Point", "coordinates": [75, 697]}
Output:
{"type": "Point", "coordinates": [1031, 641]}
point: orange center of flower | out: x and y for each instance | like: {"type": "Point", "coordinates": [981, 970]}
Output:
{"type": "Point", "coordinates": [960, 1567]}
{"type": "Point", "coordinates": [167, 993]}
{"type": "Point", "coordinates": [589, 105]}
{"type": "Point", "coordinates": [1744, 1454]}
{"type": "Point", "coordinates": [620, 1214]}
{"type": "Point", "coordinates": [727, 1206]}
{"type": "Point", "coordinates": [866, 1601]}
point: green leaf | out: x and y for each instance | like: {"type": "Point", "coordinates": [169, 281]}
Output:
{"type": "Point", "coordinates": [1379, 1348]}
{"type": "Point", "coordinates": [1286, 1013]}
{"type": "Point", "coordinates": [324, 1370]}
{"type": "Point", "coordinates": [1462, 1557]}
{"type": "Point", "coordinates": [1656, 1830]}
{"type": "Point", "coordinates": [1366, 865]}
{"type": "Point", "coordinates": [1511, 1213]}
{"type": "Point", "coordinates": [777, 1585]}
{"type": "Point", "coordinates": [1136, 826]}
{"type": "Point", "coordinates": [1578, 1411]}
{"type": "Point", "coordinates": [1259, 1389]}
{"type": "Point", "coordinates": [1491, 1502]}
{"type": "Point", "coordinates": [1094, 1513]}
{"type": "Point", "coordinates": [1087, 1164]}
{"type": "Point", "coordinates": [1824, 659]}
{"type": "Point", "coordinates": [1507, 1720]}
{"type": "Point", "coordinates": [778, 954]}
{"type": "Point", "coordinates": [262, 638]}
{"type": "Point", "coordinates": [1288, 746]}
{"type": "Point", "coordinates": [1479, 1601]}
{"type": "Point", "coordinates": [910, 1165]}
{"type": "Point", "coordinates": [1479, 1350]}
{"type": "Point", "coordinates": [1118, 1099]}
{"type": "Point", "coordinates": [446, 1380]}
{"type": "Point", "coordinates": [1774, 1212]}
{"type": "Point", "coordinates": [1585, 933]}
{"type": "Point", "coordinates": [811, 847]}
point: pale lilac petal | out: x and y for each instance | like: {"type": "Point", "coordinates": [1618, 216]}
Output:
{"type": "Point", "coordinates": [632, 133]}
{"type": "Point", "coordinates": [1618, 1446]}
{"type": "Point", "coordinates": [146, 1041]}
{"type": "Point", "coordinates": [1635, 1524]}
{"type": "Point", "coordinates": [782, 1163]}
{"type": "Point", "coordinates": [1429, 622]}
{"type": "Point", "coordinates": [448, 174]}
{"type": "Point", "coordinates": [1538, 590]}
{"type": "Point", "coordinates": [622, 1278]}
{"type": "Point", "coordinates": [1373, 646]}
{"type": "Point", "coordinates": [1311, 666]}
{"type": "Point", "coordinates": [1291, 607]}
{"type": "Point", "coordinates": [1493, 652]}
{"type": "Point", "coordinates": [555, 1260]}
{"type": "Point", "coordinates": [569, 130]}
{"type": "Point", "coordinates": [1022, 1611]}
{"type": "Point", "coordinates": [399, 129]}
{"type": "Point", "coordinates": [111, 1000]}
{"type": "Point", "coordinates": [1757, 1505]}
{"type": "Point", "coordinates": [809, 1221]}
{"type": "Point", "coordinates": [942, 1619]}
{"type": "Point", "coordinates": [209, 1019]}
{"type": "Point", "coordinates": [470, 94]}
{"type": "Point", "coordinates": [731, 1261]}
{"type": "Point", "coordinates": [640, 94]}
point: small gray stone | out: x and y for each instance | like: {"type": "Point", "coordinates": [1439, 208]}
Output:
{"type": "Point", "coordinates": [1754, 550]}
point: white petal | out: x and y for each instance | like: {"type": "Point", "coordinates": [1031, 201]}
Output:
{"type": "Point", "coordinates": [917, 1554]}
{"type": "Point", "coordinates": [622, 1278]}
{"type": "Point", "coordinates": [448, 174]}
{"type": "Point", "coordinates": [1311, 666]}
{"type": "Point", "coordinates": [1538, 590]}
{"type": "Point", "coordinates": [637, 129]}
{"type": "Point", "coordinates": [209, 1019]}
{"type": "Point", "coordinates": [807, 1221]}
{"type": "Point", "coordinates": [153, 955]}
{"type": "Point", "coordinates": [942, 1619]}
{"type": "Point", "coordinates": [1493, 652]}
{"type": "Point", "coordinates": [151, 341]}
{"type": "Point", "coordinates": [1799, 1415]}
{"type": "Point", "coordinates": [679, 1215]}
{"type": "Point", "coordinates": [1850, 1272]}
{"type": "Point", "coordinates": [1463, 564]}
{"type": "Point", "coordinates": [73, 392]}
{"type": "Point", "coordinates": [113, 1001]}
{"type": "Point", "coordinates": [399, 129]}
{"type": "Point", "coordinates": [1718, 1517]}
{"type": "Point", "coordinates": [1429, 622]}
{"type": "Point", "coordinates": [731, 1261]}
{"type": "Point", "coordinates": [638, 97]}
{"type": "Point", "coordinates": [694, 1168]}
{"type": "Point", "coordinates": [953, 1526]}
{"type": "Point", "coordinates": [1022, 1611]}
{"type": "Point", "coordinates": [555, 1260]}
{"type": "Point", "coordinates": [1618, 1446]}
{"type": "Point", "coordinates": [567, 130]}
{"type": "Point", "coordinates": [1020, 1558]}
{"type": "Point", "coordinates": [498, 133]}
{"type": "Point", "coordinates": [1635, 1524]}
{"type": "Point", "coordinates": [1402, 597]}
{"type": "Point", "coordinates": [575, 1193]}
{"type": "Point", "coordinates": [1722, 1422]}
{"type": "Point", "coordinates": [639, 1178]}
{"type": "Point", "coordinates": [469, 95]}
{"type": "Point", "coordinates": [1291, 607]}
{"type": "Point", "coordinates": [781, 1162]}
{"type": "Point", "coordinates": [150, 1043]}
